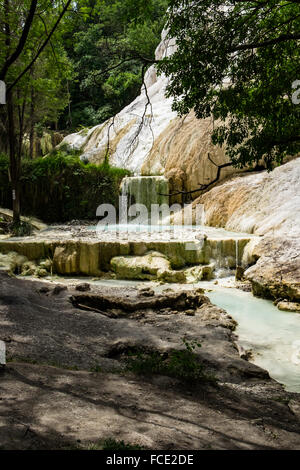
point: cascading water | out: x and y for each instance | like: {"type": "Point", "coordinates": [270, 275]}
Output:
{"type": "Point", "coordinates": [145, 190]}
{"type": "Point", "coordinates": [144, 217]}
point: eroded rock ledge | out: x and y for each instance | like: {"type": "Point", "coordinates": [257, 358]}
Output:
{"type": "Point", "coordinates": [174, 260]}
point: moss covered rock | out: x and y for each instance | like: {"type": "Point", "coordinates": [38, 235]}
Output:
{"type": "Point", "coordinates": [148, 267]}
{"type": "Point", "coordinates": [199, 273]}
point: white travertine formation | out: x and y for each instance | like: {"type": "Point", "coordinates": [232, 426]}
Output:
{"type": "Point", "coordinates": [129, 144]}
{"type": "Point", "coordinates": [262, 203]}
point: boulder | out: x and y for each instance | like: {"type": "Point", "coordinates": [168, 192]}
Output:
{"type": "Point", "coordinates": [199, 273]}
{"type": "Point", "coordinates": [147, 267]}
{"type": "Point", "coordinates": [170, 275]}
{"type": "Point", "coordinates": [288, 306]}
{"type": "Point", "coordinates": [65, 260]}
{"type": "Point", "coordinates": [239, 273]}
{"type": "Point", "coordinates": [83, 287]}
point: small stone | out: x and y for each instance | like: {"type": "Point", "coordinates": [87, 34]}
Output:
{"type": "Point", "coordinates": [199, 290]}
{"type": "Point", "coordinates": [294, 406]}
{"type": "Point", "coordinates": [165, 311]}
{"type": "Point", "coordinates": [289, 306]}
{"type": "Point", "coordinates": [58, 289]}
{"type": "Point", "coordinates": [245, 354]}
{"type": "Point", "coordinates": [116, 313]}
{"type": "Point", "coordinates": [190, 313]}
{"type": "Point", "coordinates": [239, 273]}
{"type": "Point", "coordinates": [168, 291]}
{"type": "Point", "coordinates": [46, 264]}
{"type": "Point", "coordinates": [41, 272]}
{"type": "Point", "coordinates": [84, 287]}
{"type": "Point", "coordinates": [146, 292]}
{"type": "Point", "coordinates": [7, 339]}
{"type": "Point", "coordinates": [257, 422]}
{"type": "Point", "coordinates": [44, 290]}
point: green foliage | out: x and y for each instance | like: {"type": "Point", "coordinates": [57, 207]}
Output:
{"type": "Point", "coordinates": [96, 368]}
{"type": "Point", "coordinates": [60, 187]}
{"type": "Point", "coordinates": [182, 364]}
{"type": "Point", "coordinates": [21, 229]}
{"type": "Point", "coordinates": [112, 444]}
{"type": "Point", "coordinates": [237, 61]}
{"type": "Point", "coordinates": [88, 72]}
{"type": "Point", "coordinates": [42, 93]}
{"type": "Point", "coordinates": [108, 49]}
{"type": "Point", "coordinates": [5, 187]}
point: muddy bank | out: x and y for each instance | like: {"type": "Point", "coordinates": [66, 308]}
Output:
{"type": "Point", "coordinates": [52, 396]}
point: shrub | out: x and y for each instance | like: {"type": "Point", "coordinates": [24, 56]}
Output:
{"type": "Point", "coordinates": [60, 187]}
{"type": "Point", "coordinates": [182, 364]}
{"type": "Point", "coordinates": [112, 444]}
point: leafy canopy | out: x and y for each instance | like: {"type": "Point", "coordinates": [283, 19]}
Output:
{"type": "Point", "coordinates": [40, 94]}
{"type": "Point", "coordinates": [237, 60]}
{"type": "Point", "coordinates": [108, 47]}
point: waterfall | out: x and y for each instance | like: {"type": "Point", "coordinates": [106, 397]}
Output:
{"type": "Point", "coordinates": [146, 190]}
{"type": "Point", "coordinates": [237, 253]}
{"type": "Point", "coordinates": [123, 207]}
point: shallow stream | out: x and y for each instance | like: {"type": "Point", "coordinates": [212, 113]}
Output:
{"type": "Point", "coordinates": [272, 335]}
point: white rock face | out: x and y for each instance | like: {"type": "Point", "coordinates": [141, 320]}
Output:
{"type": "Point", "coordinates": [148, 138]}
{"type": "Point", "coordinates": [262, 203]}
{"type": "Point", "coordinates": [265, 204]}
{"type": "Point", "coordinates": [132, 132]}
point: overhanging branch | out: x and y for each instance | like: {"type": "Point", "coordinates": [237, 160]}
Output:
{"type": "Point", "coordinates": [22, 40]}
{"type": "Point", "coordinates": [42, 46]}
{"type": "Point", "coordinates": [203, 187]}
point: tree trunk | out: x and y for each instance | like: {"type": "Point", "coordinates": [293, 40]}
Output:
{"type": "Point", "coordinates": [31, 134]}
{"type": "Point", "coordinates": [14, 161]}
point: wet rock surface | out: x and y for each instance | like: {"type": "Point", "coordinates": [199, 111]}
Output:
{"type": "Point", "coordinates": [266, 205]}
{"type": "Point", "coordinates": [288, 306]}
{"type": "Point", "coordinates": [52, 395]}
{"type": "Point", "coordinates": [144, 258]}
{"type": "Point", "coordinates": [277, 271]}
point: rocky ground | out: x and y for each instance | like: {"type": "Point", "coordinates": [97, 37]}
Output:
{"type": "Point", "coordinates": [67, 383]}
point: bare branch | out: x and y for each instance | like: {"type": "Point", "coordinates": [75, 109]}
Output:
{"type": "Point", "coordinates": [203, 187]}
{"type": "Point", "coordinates": [22, 40]}
{"type": "Point", "coordinates": [269, 42]}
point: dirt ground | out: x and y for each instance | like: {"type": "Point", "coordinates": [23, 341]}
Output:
{"type": "Point", "coordinates": [65, 386]}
